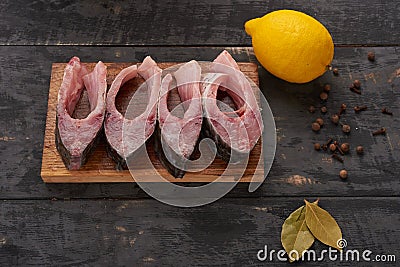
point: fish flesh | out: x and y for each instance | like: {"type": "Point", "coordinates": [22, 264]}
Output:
{"type": "Point", "coordinates": [235, 132]}
{"type": "Point", "coordinates": [124, 135]}
{"type": "Point", "coordinates": [177, 136]}
{"type": "Point", "coordinates": [76, 138]}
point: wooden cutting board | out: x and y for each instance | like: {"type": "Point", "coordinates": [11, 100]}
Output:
{"type": "Point", "coordinates": [99, 167]}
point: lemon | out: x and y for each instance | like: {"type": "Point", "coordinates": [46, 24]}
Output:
{"type": "Point", "coordinates": [291, 45]}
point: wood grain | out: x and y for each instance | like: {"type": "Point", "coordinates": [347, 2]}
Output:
{"type": "Point", "coordinates": [185, 23]}
{"type": "Point", "coordinates": [101, 168]}
{"type": "Point", "coordinates": [148, 233]}
{"type": "Point", "coordinates": [128, 230]}
{"type": "Point", "coordinates": [297, 170]}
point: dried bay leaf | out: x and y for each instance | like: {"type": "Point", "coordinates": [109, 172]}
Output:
{"type": "Point", "coordinates": [295, 234]}
{"type": "Point", "coordinates": [322, 225]}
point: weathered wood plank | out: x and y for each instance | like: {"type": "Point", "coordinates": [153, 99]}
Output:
{"type": "Point", "coordinates": [148, 233]}
{"type": "Point", "coordinates": [298, 170]}
{"type": "Point", "coordinates": [188, 22]}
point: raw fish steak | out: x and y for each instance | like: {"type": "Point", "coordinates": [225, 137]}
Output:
{"type": "Point", "coordinates": [125, 136]}
{"type": "Point", "coordinates": [76, 138]}
{"type": "Point", "coordinates": [235, 132]}
{"type": "Point", "coordinates": [177, 135]}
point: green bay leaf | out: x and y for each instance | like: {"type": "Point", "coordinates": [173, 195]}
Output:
{"type": "Point", "coordinates": [295, 234]}
{"type": "Point", "coordinates": [322, 225]}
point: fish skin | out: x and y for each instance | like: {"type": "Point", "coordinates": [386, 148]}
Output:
{"type": "Point", "coordinates": [114, 120]}
{"type": "Point", "coordinates": [77, 138]}
{"type": "Point", "coordinates": [176, 172]}
{"type": "Point", "coordinates": [176, 138]}
{"type": "Point", "coordinates": [72, 161]}
{"type": "Point", "coordinates": [120, 163]}
{"type": "Point", "coordinates": [139, 129]}
{"type": "Point", "coordinates": [223, 149]}
{"type": "Point", "coordinates": [246, 126]}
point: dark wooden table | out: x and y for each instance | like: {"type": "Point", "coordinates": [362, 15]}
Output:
{"type": "Point", "coordinates": [118, 224]}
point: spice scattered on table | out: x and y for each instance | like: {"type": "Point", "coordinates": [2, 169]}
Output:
{"type": "Point", "coordinates": [358, 109]}
{"type": "Point", "coordinates": [342, 109]}
{"type": "Point", "coordinates": [345, 147]}
{"type": "Point", "coordinates": [338, 158]}
{"type": "Point", "coordinates": [335, 72]}
{"type": "Point", "coordinates": [381, 131]}
{"type": "Point", "coordinates": [317, 146]}
{"type": "Point", "coordinates": [340, 150]}
{"type": "Point", "coordinates": [320, 121]}
{"type": "Point", "coordinates": [332, 147]}
{"type": "Point", "coordinates": [325, 146]}
{"type": "Point", "coordinates": [346, 128]}
{"type": "Point", "coordinates": [357, 84]}
{"type": "Point", "coordinates": [315, 126]}
{"type": "Point", "coordinates": [323, 96]}
{"type": "Point", "coordinates": [311, 109]}
{"type": "Point", "coordinates": [330, 140]}
{"type": "Point", "coordinates": [327, 88]}
{"type": "Point", "coordinates": [371, 56]}
{"type": "Point", "coordinates": [354, 89]}
{"type": "Point", "coordinates": [335, 118]}
{"type": "Point", "coordinates": [360, 150]}
{"type": "Point", "coordinates": [386, 111]}
{"type": "Point", "coordinates": [343, 174]}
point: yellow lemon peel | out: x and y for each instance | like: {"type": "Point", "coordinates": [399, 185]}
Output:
{"type": "Point", "coordinates": [291, 45]}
